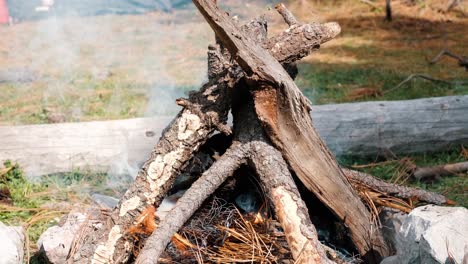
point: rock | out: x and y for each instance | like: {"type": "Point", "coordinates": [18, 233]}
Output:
{"type": "Point", "coordinates": [432, 234]}
{"type": "Point", "coordinates": [105, 201]}
{"type": "Point", "coordinates": [56, 241]}
{"type": "Point", "coordinates": [391, 220]}
{"type": "Point", "coordinates": [168, 203]}
{"type": "Point", "coordinates": [11, 244]}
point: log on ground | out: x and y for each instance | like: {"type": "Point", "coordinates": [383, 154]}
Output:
{"type": "Point", "coordinates": [121, 146]}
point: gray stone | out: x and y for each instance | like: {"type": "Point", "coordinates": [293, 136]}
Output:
{"type": "Point", "coordinates": [432, 234]}
{"type": "Point", "coordinates": [11, 244]}
{"type": "Point", "coordinates": [56, 241]}
{"type": "Point", "coordinates": [391, 220]}
{"type": "Point", "coordinates": [105, 201]}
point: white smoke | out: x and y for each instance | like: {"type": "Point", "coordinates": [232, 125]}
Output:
{"type": "Point", "coordinates": [106, 67]}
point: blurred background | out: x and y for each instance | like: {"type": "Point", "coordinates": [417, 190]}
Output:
{"type": "Point", "coordinates": [67, 61]}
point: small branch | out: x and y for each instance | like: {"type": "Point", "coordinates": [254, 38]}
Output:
{"type": "Point", "coordinates": [190, 202]}
{"type": "Point", "coordinates": [290, 209]}
{"type": "Point", "coordinates": [442, 170]}
{"type": "Point", "coordinates": [417, 75]}
{"type": "Point", "coordinates": [462, 60]}
{"type": "Point", "coordinates": [288, 17]}
{"type": "Point", "coordinates": [404, 192]}
{"type": "Point", "coordinates": [452, 4]}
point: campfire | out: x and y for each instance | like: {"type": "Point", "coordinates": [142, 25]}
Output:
{"type": "Point", "coordinates": [267, 189]}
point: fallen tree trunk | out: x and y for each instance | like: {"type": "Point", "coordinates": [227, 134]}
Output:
{"type": "Point", "coordinates": [432, 173]}
{"type": "Point", "coordinates": [121, 146]}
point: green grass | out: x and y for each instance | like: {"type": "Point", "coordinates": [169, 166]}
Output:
{"type": "Point", "coordinates": [324, 84]}
{"type": "Point", "coordinates": [453, 187]}
{"type": "Point", "coordinates": [39, 205]}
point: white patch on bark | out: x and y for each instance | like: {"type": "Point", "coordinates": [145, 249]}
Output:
{"type": "Point", "coordinates": [160, 170]}
{"type": "Point", "coordinates": [129, 205]}
{"type": "Point", "coordinates": [286, 208]}
{"type": "Point", "coordinates": [188, 125]}
{"type": "Point", "coordinates": [104, 252]}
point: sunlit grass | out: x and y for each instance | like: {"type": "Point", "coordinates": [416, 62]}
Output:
{"type": "Point", "coordinates": [394, 170]}
{"type": "Point", "coordinates": [37, 205]}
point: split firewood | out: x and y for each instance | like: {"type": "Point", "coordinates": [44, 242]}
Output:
{"type": "Point", "coordinates": [252, 147]}
{"type": "Point", "coordinates": [272, 133]}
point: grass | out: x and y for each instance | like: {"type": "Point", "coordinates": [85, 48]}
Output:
{"type": "Point", "coordinates": [339, 84]}
{"type": "Point", "coordinates": [394, 170]}
{"type": "Point", "coordinates": [38, 205]}
{"type": "Point", "coordinates": [112, 67]}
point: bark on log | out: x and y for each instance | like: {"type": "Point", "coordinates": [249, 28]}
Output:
{"type": "Point", "coordinates": [425, 173]}
{"type": "Point", "coordinates": [284, 112]}
{"type": "Point", "coordinates": [204, 111]}
{"type": "Point", "coordinates": [191, 201]}
{"type": "Point", "coordinates": [249, 144]}
{"type": "Point", "coordinates": [121, 146]}
{"type": "Point", "coordinates": [399, 191]}
{"type": "Point", "coordinates": [290, 209]}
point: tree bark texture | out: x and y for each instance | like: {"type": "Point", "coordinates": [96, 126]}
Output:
{"type": "Point", "coordinates": [203, 112]}
{"type": "Point", "coordinates": [190, 202]}
{"type": "Point", "coordinates": [424, 173]}
{"type": "Point", "coordinates": [249, 144]}
{"type": "Point", "coordinates": [284, 113]}
{"type": "Point", "coordinates": [404, 192]}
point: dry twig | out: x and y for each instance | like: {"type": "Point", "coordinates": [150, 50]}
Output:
{"type": "Point", "coordinates": [462, 60]}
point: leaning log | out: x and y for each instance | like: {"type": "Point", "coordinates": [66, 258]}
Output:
{"type": "Point", "coordinates": [203, 112]}
{"type": "Point", "coordinates": [121, 146]}
{"type": "Point", "coordinates": [284, 114]}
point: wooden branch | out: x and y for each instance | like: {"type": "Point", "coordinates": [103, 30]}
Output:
{"type": "Point", "coordinates": [250, 143]}
{"type": "Point", "coordinates": [276, 181]}
{"type": "Point", "coordinates": [179, 140]}
{"type": "Point", "coordinates": [388, 10]}
{"type": "Point", "coordinates": [462, 60]}
{"type": "Point", "coordinates": [299, 41]}
{"type": "Point", "coordinates": [423, 173]}
{"type": "Point", "coordinates": [290, 209]}
{"type": "Point", "coordinates": [193, 198]}
{"type": "Point", "coordinates": [399, 191]}
{"type": "Point", "coordinates": [417, 75]}
{"type": "Point", "coordinates": [284, 112]}
{"type": "Point", "coordinates": [288, 17]}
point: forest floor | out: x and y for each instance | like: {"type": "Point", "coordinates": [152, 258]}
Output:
{"type": "Point", "coordinates": [115, 67]}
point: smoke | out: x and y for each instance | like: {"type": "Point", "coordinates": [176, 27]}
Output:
{"type": "Point", "coordinates": [82, 65]}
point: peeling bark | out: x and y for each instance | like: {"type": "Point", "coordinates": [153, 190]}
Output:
{"type": "Point", "coordinates": [290, 209]}
{"type": "Point", "coordinates": [190, 202]}
{"type": "Point", "coordinates": [284, 113]}
{"type": "Point", "coordinates": [204, 111]}
{"type": "Point", "coordinates": [250, 144]}
{"type": "Point", "coordinates": [404, 192]}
